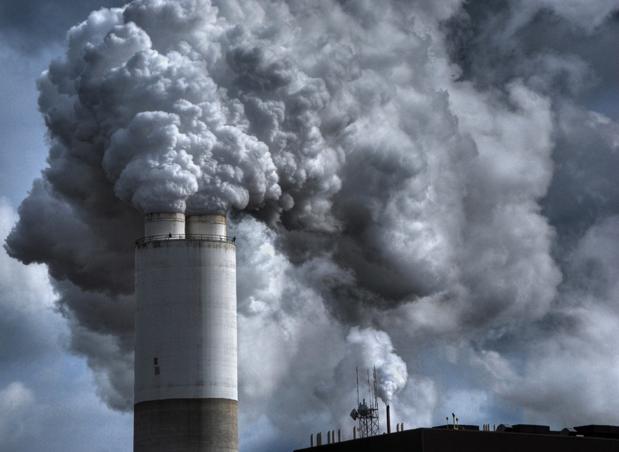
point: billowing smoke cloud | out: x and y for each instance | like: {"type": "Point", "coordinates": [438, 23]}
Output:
{"type": "Point", "coordinates": [376, 353]}
{"type": "Point", "coordinates": [182, 107]}
{"type": "Point", "coordinates": [398, 178]}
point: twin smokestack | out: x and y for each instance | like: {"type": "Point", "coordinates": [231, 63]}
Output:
{"type": "Point", "coordinates": [186, 336]}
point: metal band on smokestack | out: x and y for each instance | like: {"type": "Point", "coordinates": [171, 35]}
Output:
{"type": "Point", "coordinates": [186, 336]}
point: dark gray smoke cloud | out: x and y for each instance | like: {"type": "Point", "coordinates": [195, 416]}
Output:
{"type": "Point", "coordinates": [417, 186]}
{"type": "Point", "coordinates": [562, 51]}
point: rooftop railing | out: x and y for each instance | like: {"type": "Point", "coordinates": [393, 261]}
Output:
{"type": "Point", "coordinates": [201, 237]}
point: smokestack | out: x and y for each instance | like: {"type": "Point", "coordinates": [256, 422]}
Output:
{"type": "Point", "coordinates": [186, 338]}
{"type": "Point", "coordinates": [206, 225]}
{"type": "Point", "coordinates": [160, 225]}
{"type": "Point", "coordinates": [388, 420]}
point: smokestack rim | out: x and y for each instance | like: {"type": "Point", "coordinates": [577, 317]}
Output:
{"type": "Point", "coordinates": [212, 218]}
{"type": "Point", "coordinates": [207, 224]}
{"type": "Point", "coordinates": [159, 225]}
{"type": "Point", "coordinates": [164, 216]}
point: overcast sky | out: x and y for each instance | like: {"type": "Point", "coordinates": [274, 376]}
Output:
{"type": "Point", "coordinates": [48, 397]}
{"type": "Point", "coordinates": [427, 187]}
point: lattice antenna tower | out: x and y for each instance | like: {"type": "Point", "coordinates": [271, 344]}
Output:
{"type": "Point", "coordinates": [366, 413]}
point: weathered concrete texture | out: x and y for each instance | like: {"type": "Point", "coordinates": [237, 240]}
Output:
{"type": "Point", "coordinates": [186, 425]}
{"type": "Point", "coordinates": [185, 320]}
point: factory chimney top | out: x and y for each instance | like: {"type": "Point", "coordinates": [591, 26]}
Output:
{"type": "Point", "coordinates": [207, 224]}
{"type": "Point", "coordinates": [162, 224]}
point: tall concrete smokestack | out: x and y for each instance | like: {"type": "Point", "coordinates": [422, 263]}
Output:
{"type": "Point", "coordinates": [186, 338]}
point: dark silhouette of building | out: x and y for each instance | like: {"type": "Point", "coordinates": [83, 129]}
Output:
{"type": "Point", "coordinates": [468, 438]}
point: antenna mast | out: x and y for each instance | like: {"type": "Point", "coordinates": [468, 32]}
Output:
{"type": "Point", "coordinates": [366, 413]}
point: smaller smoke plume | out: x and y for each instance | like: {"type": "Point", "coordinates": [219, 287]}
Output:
{"type": "Point", "coordinates": [373, 349]}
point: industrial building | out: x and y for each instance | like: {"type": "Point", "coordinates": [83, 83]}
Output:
{"type": "Point", "coordinates": [186, 335]}
{"type": "Point", "coordinates": [517, 438]}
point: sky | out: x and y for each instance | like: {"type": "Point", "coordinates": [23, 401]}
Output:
{"type": "Point", "coordinates": [427, 187]}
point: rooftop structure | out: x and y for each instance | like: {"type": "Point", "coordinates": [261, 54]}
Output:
{"type": "Point", "coordinates": [516, 438]}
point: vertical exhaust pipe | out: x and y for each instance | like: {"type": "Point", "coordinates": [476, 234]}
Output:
{"type": "Point", "coordinates": [388, 420]}
{"type": "Point", "coordinates": [185, 389]}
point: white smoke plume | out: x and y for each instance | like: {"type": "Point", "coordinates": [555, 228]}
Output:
{"type": "Point", "coordinates": [375, 351]}
{"type": "Point", "coordinates": [387, 169]}
{"type": "Point", "coordinates": [182, 107]}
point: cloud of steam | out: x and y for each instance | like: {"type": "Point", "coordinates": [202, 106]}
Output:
{"type": "Point", "coordinates": [376, 352]}
{"type": "Point", "coordinates": [386, 169]}
{"type": "Point", "coordinates": [183, 108]}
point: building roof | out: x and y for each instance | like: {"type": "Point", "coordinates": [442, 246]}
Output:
{"type": "Point", "coordinates": [449, 440]}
